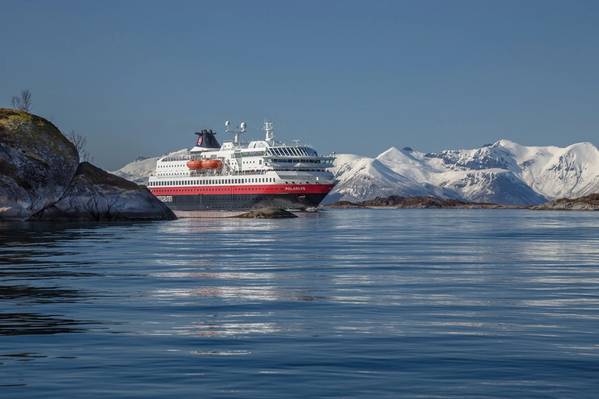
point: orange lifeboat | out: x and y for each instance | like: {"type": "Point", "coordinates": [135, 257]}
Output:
{"type": "Point", "coordinates": [194, 164]}
{"type": "Point", "coordinates": [212, 164]}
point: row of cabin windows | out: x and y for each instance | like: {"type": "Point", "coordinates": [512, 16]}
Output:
{"type": "Point", "coordinates": [298, 160]}
{"type": "Point", "coordinates": [292, 151]}
{"type": "Point", "coordinates": [216, 181]}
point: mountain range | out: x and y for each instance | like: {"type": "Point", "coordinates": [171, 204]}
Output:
{"type": "Point", "coordinates": [503, 173]}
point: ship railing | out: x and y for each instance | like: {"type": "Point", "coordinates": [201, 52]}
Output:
{"type": "Point", "coordinates": [176, 158]}
{"type": "Point", "coordinates": [229, 173]}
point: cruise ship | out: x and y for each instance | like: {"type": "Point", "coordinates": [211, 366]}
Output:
{"type": "Point", "coordinates": [222, 180]}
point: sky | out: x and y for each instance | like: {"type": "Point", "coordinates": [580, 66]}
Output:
{"type": "Point", "coordinates": [138, 78]}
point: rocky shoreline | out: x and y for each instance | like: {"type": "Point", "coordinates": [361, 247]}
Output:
{"type": "Point", "coordinates": [395, 201]}
{"type": "Point", "coordinates": [41, 179]}
{"type": "Point", "coordinates": [587, 203]}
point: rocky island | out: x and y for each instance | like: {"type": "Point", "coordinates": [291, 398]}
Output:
{"type": "Point", "coordinates": [41, 178]}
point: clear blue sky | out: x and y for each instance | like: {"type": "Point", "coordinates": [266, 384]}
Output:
{"type": "Point", "coordinates": [139, 77]}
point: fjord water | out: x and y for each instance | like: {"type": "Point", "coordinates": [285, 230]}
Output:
{"type": "Point", "coordinates": [343, 303]}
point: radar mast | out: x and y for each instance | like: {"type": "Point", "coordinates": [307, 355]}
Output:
{"type": "Point", "coordinates": [270, 133]}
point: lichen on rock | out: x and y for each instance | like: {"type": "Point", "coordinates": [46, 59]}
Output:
{"type": "Point", "coordinates": [37, 163]}
{"type": "Point", "coordinates": [41, 178]}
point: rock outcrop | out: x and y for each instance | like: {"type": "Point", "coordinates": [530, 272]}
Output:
{"type": "Point", "coordinates": [267, 213]}
{"type": "Point", "coordinates": [41, 179]}
{"type": "Point", "coordinates": [96, 195]}
{"type": "Point", "coordinates": [37, 163]}
{"type": "Point", "coordinates": [586, 203]}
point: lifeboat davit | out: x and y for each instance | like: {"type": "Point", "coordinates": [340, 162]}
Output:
{"type": "Point", "coordinates": [194, 164]}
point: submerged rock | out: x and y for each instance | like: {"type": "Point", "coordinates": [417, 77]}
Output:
{"type": "Point", "coordinates": [267, 213]}
{"type": "Point", "coordinates": [97, 195]}
{"type": "Point", "coordinates": [37, 163]}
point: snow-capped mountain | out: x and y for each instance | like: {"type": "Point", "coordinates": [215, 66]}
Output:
{"type": "Point", "coordinates": [503, 172]}
{"type": "Point", "coordinates": [140, 170]}
{"type": "Point", "coordinates": [552, 172]}
{"type": "Point", "coordinates": [361, 178]}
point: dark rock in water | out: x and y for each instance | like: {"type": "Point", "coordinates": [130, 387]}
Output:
{"type": "Point", "coordinates": [586, 203]}
{"type": "Point", "coordinates": [97, 195]}
{"type": "Point", "coordinates": [37, 164]}
{"type": "Point", "coordinates": [267, 213]}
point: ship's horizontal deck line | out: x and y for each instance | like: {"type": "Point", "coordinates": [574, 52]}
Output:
{"type": "Point", "coordinates": [244, 189]}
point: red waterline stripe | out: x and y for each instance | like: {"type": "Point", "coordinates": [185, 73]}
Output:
{"type": "Point", "coordinates": [244, 189]}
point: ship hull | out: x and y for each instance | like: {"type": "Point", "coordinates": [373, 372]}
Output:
{"type": "Point", "coordinates": [231, 201]}
{"type": "Point", "coordinates": [233, 205]}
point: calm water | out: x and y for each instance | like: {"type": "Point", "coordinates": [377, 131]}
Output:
{"type": "Point", "coordinates": [345, 303]}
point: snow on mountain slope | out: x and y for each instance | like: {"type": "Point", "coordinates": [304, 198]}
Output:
{"type": "Point", "coordinates": [557, 172]}
{"type": "Point", "coordinates": [409, 163]}
{"type": "Point", "coordinates": [479, 175]}
{"type": "Point", "coordinates": [361, 178]}
{"type": "Point", "coordinates": [140, 170]}
{"type": "Point", "coordinates": [552, 172]}
{"type": "Point", "coordinates": [498, 186]}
